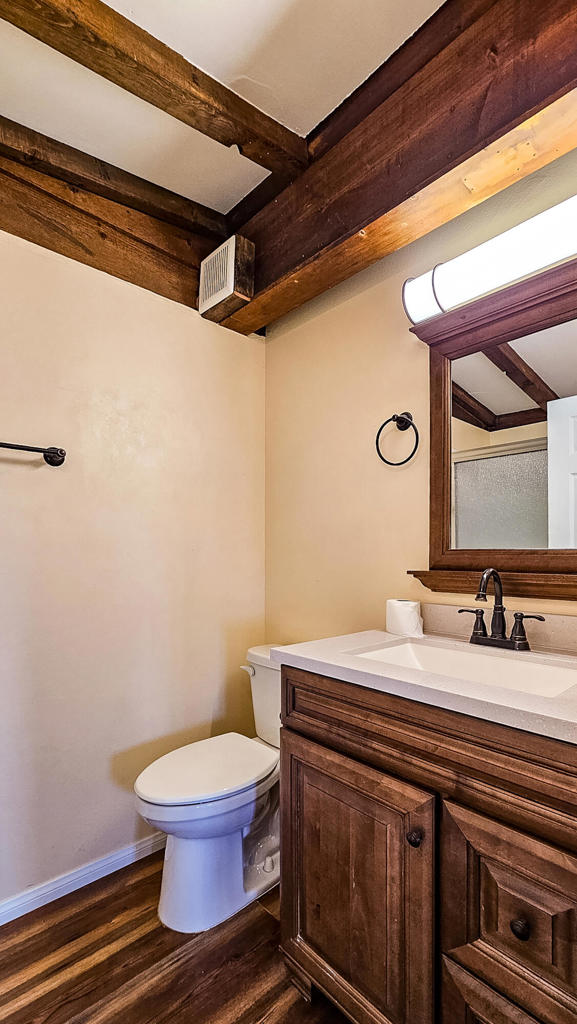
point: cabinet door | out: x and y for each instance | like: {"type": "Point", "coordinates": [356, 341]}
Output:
{"type": "Point", "coordinates": [357, 884]}
{"type": "Point", "coordinates": [508, 915]}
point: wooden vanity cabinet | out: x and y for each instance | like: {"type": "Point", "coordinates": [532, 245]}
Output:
{"type": "Point", "coordinates": [429, 860]}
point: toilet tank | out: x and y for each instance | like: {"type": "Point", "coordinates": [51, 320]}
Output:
{"type": "Point", "coordinates": [265, 686]}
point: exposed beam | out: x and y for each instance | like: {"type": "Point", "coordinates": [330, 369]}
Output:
{"type": "Point", "coordinates": [71, 165]}
{"type": "Point", "coordinates": [523, 375]}
{"type": "Point", "coordinates": [445, 25]}
{"type": "Point", "coordinates": [522, 151]}
{"type": "Point", "coordinates": [104, 41]}
{"type": "Point", "coordinates": [107, 235]}
{"type": "Point", "coordinates": [470, 410]}
{"type": "Point", "coordinates": [523, 418]}
{"type": "Point", "coordinates": [265, 192]}
{"type": "Point", "coordinates": [486, 110]}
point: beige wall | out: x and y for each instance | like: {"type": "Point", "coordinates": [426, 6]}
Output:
{"type": "Point", "coordinates": [342, 528]}
{"type": "Point", "coordinates": [131, 579]}
{"type": "Point", "coordinates": [464, 436]}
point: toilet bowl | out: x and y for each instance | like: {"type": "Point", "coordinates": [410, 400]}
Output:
{"type": "Point", "coordinates": [217, 802]}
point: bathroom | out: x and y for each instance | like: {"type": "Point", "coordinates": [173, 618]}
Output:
{"type": "Point", "coordinates": [221, 490]}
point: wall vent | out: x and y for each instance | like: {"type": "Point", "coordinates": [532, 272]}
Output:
{"type": "Point", "coordinates": [226, 278]}
{"type": "Point", "coordinates": [217, 275]}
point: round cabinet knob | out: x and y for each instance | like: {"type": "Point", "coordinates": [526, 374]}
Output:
{"type": "Point", "coordinates": [415, 838]}
{"type": "Point", "coordinates": [521, 929]}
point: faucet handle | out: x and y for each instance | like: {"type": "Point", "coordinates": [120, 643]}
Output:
{"type": "Point", "coordinates": [518, 631]}
{"type": "Point", "coordinates": [479, 629]}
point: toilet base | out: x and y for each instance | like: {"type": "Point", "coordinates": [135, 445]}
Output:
{"type": "Point", "coordinates": [203, 881]}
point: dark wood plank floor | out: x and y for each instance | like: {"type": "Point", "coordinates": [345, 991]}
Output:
{"type": "Point", "coordinates": [101, 956]}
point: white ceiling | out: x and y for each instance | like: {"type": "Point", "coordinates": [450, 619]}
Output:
{"type": "Point", "coordinates": [489, 385]}
{"type": "Point", "coordinates": [295, 59]}
{"type": "Point", "coordinates": [62, 99]}
{"type": "Point", "coordinates": [551, 353]}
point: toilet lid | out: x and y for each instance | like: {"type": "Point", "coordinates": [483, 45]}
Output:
{"type": "Point", "coordinates": [206, 770]}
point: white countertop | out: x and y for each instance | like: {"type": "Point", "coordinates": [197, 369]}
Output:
{"type": "Point", "coordinates": [340, 658]}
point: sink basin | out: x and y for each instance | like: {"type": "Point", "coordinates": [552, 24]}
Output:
{"type": "Point", "coordinates": [530, 673]}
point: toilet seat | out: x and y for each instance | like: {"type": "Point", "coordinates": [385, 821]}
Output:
{"type": "Point", "coordinates": [170, 814]}
{"type": "Point", "coordinates": [208, 771]}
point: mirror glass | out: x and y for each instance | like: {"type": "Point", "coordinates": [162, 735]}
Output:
{"type": "Point", "coordinates": [514, 443]}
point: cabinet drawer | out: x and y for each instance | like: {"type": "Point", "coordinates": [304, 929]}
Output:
{"type": "Point", "coordinates": [509, 913]}
{"type": "Point", "coordinates": [357, 883]}
{"type": "Point", "coordinates": [467, 1000]}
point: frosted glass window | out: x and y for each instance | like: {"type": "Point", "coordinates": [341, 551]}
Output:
{"type": "Point", "coordinates": [501, 502]}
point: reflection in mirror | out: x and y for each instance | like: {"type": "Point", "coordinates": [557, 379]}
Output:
{"type": "Point", "coordinates": [514, 443]}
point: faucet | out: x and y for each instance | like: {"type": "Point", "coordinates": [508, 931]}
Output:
{"type": "Point", "coordinates": [498, 621]}
{"type": "Point", "coordinates": [498, 638]}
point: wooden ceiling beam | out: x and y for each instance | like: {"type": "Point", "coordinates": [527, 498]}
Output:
{"type": "Point", "coordinates": [467, 408]}
{"type": "Point", "coordinates": [523, 375]}
{"type": "Point", "coordinates": [91, 33]}
{"type": "Point", "coordinates": [265, 192]}
{"type": "Point", "coordinates": [104, 234]}
{"type": "Point", "coordinates": [487, 109]}
{"type": "Point", "coordinates": [58, 160]}
{"type": "Point", "coordinates": [470, 410]}
{"type": "Point", "coordinates": [523, 418]}
{"type": "Point", "coordinates": [444, 26]}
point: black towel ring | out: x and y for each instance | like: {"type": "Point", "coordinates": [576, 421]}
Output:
{"type": "Point", "coordinates": [404, 420]}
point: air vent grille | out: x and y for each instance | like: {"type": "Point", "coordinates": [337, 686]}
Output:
{"type": "Point", "coordinates": [217, 275]}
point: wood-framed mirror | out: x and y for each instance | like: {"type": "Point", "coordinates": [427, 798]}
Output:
{"type": "Point", "coordinates": [503, 429]}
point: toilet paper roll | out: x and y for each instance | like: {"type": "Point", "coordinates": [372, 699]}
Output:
{"type": "Point", "coordinates": [404, 618]}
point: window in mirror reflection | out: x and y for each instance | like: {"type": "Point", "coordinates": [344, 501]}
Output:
{"type": "Point", "coordinates": [514, 443]}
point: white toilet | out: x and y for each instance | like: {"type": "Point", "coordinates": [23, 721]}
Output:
{"type": "Point", "coordinates": [217, 801]}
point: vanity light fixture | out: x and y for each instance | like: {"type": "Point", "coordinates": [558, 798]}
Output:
{"type": "Point", "coordinates": [532, 246]}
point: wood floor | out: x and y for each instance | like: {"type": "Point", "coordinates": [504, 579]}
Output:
{"type": "Point", "coordinates": [100, 956]}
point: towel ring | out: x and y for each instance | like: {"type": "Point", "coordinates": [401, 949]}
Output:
{"type": "Point", "coordinates": [404, 420]}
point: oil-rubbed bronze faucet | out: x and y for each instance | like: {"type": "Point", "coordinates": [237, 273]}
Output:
{"type": "Point", "coordinates": [498, 624]}
{"type": "Point", "coordinates": [498, 638]}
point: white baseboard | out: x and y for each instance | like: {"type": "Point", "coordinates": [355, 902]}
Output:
{"type": "Point", "coordinates": [39, 895]}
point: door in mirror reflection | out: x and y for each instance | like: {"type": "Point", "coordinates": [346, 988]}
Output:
{"type": "Point", "coordinates": [562, 459]}
{"type": "Point", "coordinates": [514, 444]}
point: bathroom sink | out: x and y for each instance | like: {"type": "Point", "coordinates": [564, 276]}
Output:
{"type": "Point", "coordinates": [530, 673]}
